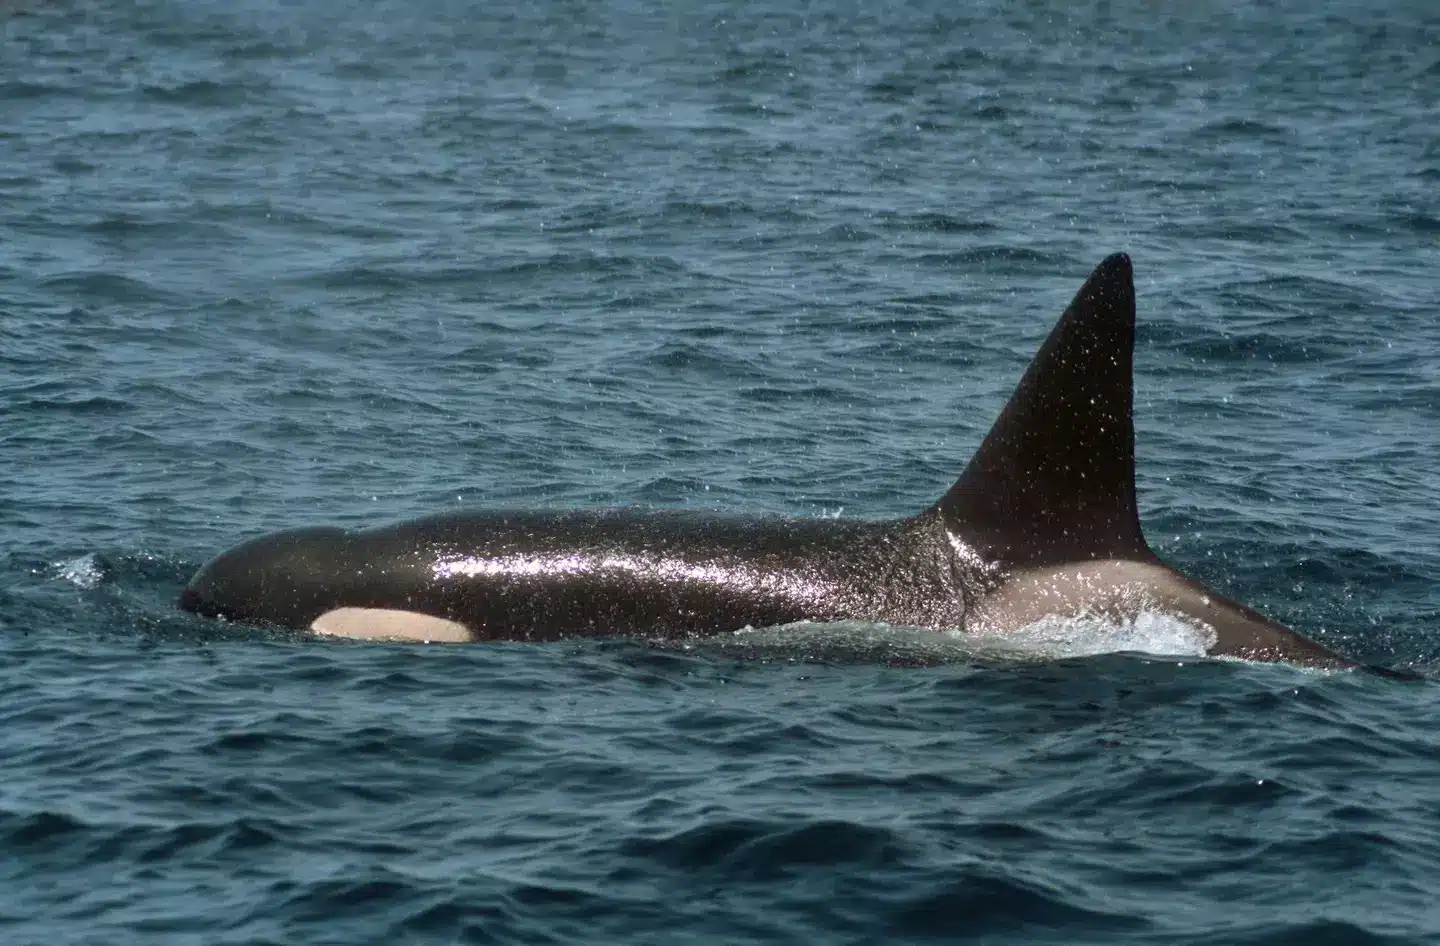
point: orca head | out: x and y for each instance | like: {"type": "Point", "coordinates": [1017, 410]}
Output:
{"type": "Point", "coordinates": [315, 578]}
{"type": "Point", "coordinates": [1048, 500]}
{"type": "Point", "coordinates": [273, 579]}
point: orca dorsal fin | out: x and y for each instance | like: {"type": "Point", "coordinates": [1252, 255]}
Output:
{"type": "Point", "coordinates": [1054, 480]}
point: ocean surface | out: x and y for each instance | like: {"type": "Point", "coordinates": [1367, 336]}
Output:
{"type": "Point", "coordinates": [265, 263]}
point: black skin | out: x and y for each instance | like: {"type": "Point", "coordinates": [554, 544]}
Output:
{"type": "Point", "coordinates": [527, 575]}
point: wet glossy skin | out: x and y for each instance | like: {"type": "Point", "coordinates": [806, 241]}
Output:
{"type": "Point", "coordinates": [538, 576]}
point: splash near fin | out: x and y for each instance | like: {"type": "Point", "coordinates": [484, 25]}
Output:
{"type": "Point", "coordinates": [1054, 480]}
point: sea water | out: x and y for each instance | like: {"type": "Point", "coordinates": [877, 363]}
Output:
{"type": "Point", "coordinates": [272, 263]}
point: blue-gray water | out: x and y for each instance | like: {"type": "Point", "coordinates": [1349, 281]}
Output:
{"type": "Point", "coordinates": [264, 263]}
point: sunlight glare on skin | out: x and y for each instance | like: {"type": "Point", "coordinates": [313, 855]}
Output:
{"type": "Point", "coordinates": [668, 569]}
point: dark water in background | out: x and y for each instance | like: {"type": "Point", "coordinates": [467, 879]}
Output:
{"type": "Point", "coordinates": [265, 263]}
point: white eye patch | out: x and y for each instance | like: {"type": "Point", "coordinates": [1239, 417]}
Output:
{"type": "Point", "coordinates": [388, 624]}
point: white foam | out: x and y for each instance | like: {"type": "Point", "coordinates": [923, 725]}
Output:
{"type": "Point", "coordinates": [1086, 634]}
{"type": "Point", "coordinates": [84, 572]}
{"type": "Point", "coordinates": [1053, 637]}
{"type": "Point", "coordinates": [862, 641]}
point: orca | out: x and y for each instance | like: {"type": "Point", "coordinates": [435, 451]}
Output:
{"type": "Point", "coordinates": [1042, 522]}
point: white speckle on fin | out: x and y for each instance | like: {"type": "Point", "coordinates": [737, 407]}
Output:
{"type": "Point", "coordinates": [388, 624]}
